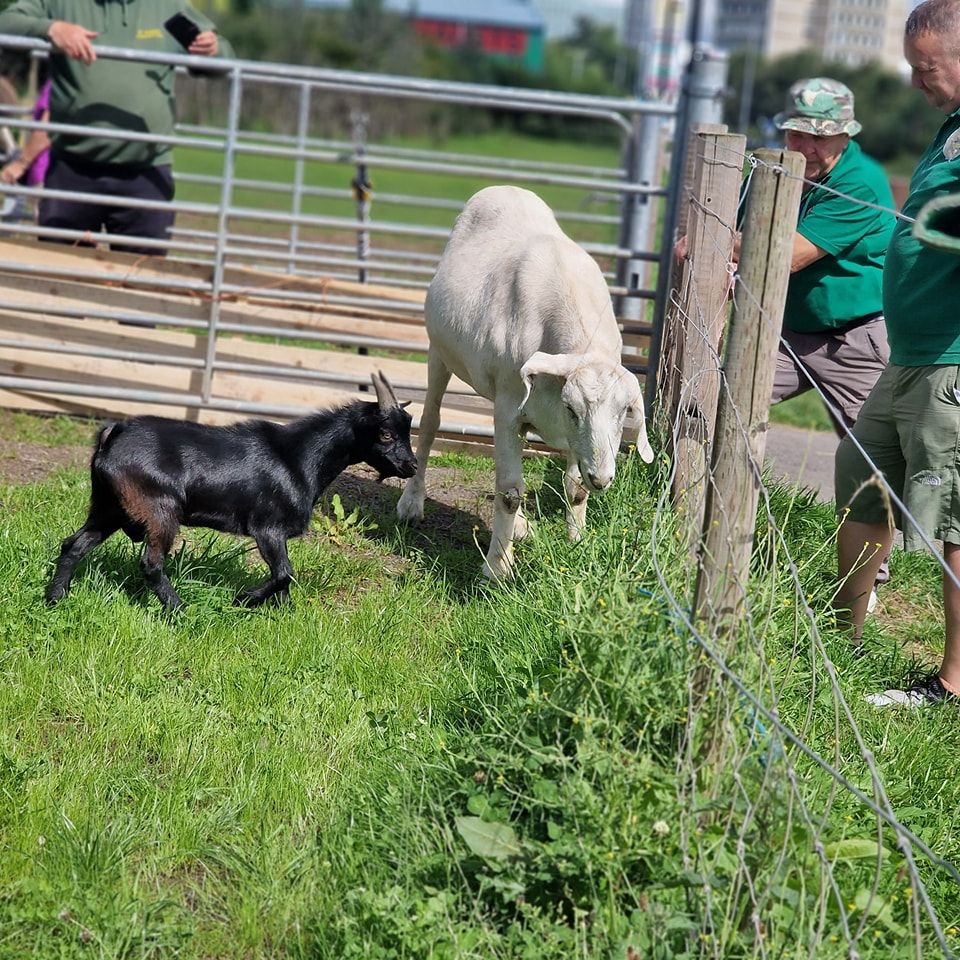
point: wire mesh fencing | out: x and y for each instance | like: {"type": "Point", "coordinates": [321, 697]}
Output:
{"type": "Point", "coordinates": [803, 833]}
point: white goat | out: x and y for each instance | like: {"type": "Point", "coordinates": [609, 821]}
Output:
{"type": "Point", "coordinates": [523, 314]}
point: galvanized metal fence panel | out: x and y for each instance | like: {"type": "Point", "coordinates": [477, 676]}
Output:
{"type": "Point", "coordinates": [254, 254]}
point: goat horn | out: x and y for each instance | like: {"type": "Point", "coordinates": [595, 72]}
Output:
{"type": "Point", "coordinates": [385, 395]}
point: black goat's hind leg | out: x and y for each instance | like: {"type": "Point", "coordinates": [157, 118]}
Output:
{"type": "Point", "coordinates": [97, 528]}
{"type": "Point", "coordinates": [273, 548]}
{"type": "Point", "coordinates": [158, 540]}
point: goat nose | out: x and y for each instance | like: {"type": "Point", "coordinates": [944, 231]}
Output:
{"type": "Point", "coordinates": [598, 482]}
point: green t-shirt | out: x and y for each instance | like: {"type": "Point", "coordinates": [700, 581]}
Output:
{"type": "Point", "coordinates": [921, 287]}
{"type": "Point", "coordinates": [846, 284]}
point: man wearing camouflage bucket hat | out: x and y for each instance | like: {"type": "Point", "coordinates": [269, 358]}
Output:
{"type": "Point", "coordinates": [819, 106]}
{"type": "Point", "coordinates": [833, 324]}
{"type": "Point", "coordinates": [833, 320]}
{"type": "Point", "coordinates": [833, 332]}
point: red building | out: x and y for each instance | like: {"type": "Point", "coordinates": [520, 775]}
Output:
{"type": "Point", "coordinates": [499, 28]}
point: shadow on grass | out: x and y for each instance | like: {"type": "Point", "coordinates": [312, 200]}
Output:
{"type": "Point", "coordinates": [451, 536]}
{"type": "Point", "coordinates": [204, 563]}
{"type": "Point", "coordinates": [455, 532]}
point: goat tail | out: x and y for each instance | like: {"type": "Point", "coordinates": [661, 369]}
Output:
{"type": "Point", "coordinates": [108, 433]}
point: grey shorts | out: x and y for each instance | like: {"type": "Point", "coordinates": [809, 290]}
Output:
{"type": "Point", "coordinates": [910, 428]}
{"type": "Point", "coordinates": [845, 366]}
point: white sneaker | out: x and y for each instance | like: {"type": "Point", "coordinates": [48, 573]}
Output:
{"type": "Point", "coordinates": [872, 601]}
{"type": "Point", "coordinates": [924, 693]}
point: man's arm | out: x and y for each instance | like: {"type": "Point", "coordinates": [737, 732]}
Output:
{"type": "Point", "coordinates": [26, 18]}
{"type": "Point", "coordinates": [804, 253]}
{"type": "Point", "coordinates": [30, 18]}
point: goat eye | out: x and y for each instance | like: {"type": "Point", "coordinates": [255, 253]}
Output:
{"type": "Point", "coordinates": [386, 436]}
{"type": "Point", "coordinates": [571, 411]}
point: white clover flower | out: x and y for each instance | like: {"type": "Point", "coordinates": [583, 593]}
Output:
{"type": "Point", "coordinates": [660, 828]}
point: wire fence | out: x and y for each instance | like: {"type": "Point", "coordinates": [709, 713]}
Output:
{"type": "Point", "coordinates": [778, 737]}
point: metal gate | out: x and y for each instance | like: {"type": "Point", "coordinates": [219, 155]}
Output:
{"type": "Point", "coordinates": [278, 250]}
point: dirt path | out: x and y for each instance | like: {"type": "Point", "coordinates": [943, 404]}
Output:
{"type": "Point", "coordinates": [803, 456]}
{"type": "Point", "coordinates": [27, 462]}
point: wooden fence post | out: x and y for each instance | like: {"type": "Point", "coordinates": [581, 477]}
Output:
{"type": "Point", "coordinates": [667, 375]}
{"type": "Point", "coordinates": [764, 270]}
{"type": "Point", "coordinates": [702, 311]}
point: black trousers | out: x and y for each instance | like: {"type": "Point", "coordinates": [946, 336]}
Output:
{"type": "Point", "coordinates": [152, 183]}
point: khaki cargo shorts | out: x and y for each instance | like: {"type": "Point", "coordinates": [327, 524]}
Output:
{"type": "Point", "coordinates": [910, 428]}
{"type": "Point", "coordinates": [844, 365]}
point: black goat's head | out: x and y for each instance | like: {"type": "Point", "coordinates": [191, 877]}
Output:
{"type": "Point", "coordinates": [391, 454]}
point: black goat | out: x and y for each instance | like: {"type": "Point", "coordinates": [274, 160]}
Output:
{"type": "Point", "coordinates": [149, 475]}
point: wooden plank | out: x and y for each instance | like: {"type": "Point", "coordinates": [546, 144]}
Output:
{"type": "Point", "coordinates": [134, 375]}
{"type": "Point", "coordinates": [107, 409]}
{"type": "Point", "coordinates": [40, 330]}
{"type": "Point", "coordinates": [187, 306]}
{"type": "Point", "coordinates": [98, 284]}
{"type": "Point", "coordinates": [413, 337]}
{"type": "Point", "coordinates": [248, 276]}
{"type": "Point", "coordinates": [99, 264]}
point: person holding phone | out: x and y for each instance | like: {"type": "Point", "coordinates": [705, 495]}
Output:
{"type": "Point", "coordinates": [112, 96]}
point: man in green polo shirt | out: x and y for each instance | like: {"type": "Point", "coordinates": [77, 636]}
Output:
{"type": "Point", "coordinates": [910, 424]}
{"type": "Point", "coordinates": [833, 331]}
{"type": "Point", "coordinates": [833, 336]}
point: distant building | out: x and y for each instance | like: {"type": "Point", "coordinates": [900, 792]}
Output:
{"type": "Point", "coordinates": [512, 29]}
{"type": "Point", "coordinates": [853, 32]}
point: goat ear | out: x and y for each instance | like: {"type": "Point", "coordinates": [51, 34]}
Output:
{"type": "Point", "coordinates": [385, 395]}
{"type": "Point", "coordinates": [636, 404]}
{"type": "Point", "coordinates": [555, 364]}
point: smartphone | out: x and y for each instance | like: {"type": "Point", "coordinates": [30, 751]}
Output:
{"type": "Point", "coordinates": [182, 29]}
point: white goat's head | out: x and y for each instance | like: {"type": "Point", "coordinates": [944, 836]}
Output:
{"type": "Point", "coordinates": [592, 398]}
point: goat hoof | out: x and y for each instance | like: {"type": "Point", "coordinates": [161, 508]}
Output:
{"type": "Point", "coordinates": [411, 512]}
{"type": "Point", "coordinates": [500, 575]}
{"type": "Point", "coordinates": [54, 595]}
{"type": "Point", "coordinates": [256, 598]}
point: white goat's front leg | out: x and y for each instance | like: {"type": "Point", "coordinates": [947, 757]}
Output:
{"type": "Point", "coordinates": [521, 525]}
{"type": "Point", "coordinates": [576, 494]}
{"type": "Point", "coordinates": [410, 504]}
{"type": "Point", "coordinates": [509, 491]}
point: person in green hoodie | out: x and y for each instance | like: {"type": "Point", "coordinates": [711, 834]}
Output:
{"type": "Point", "coordinates": [106, 96]}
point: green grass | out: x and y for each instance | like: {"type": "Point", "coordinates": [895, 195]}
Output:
{"type": "Point", "coordinates": [411, 763]}
{"type": "Point", "coordinates": [46, 431]}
